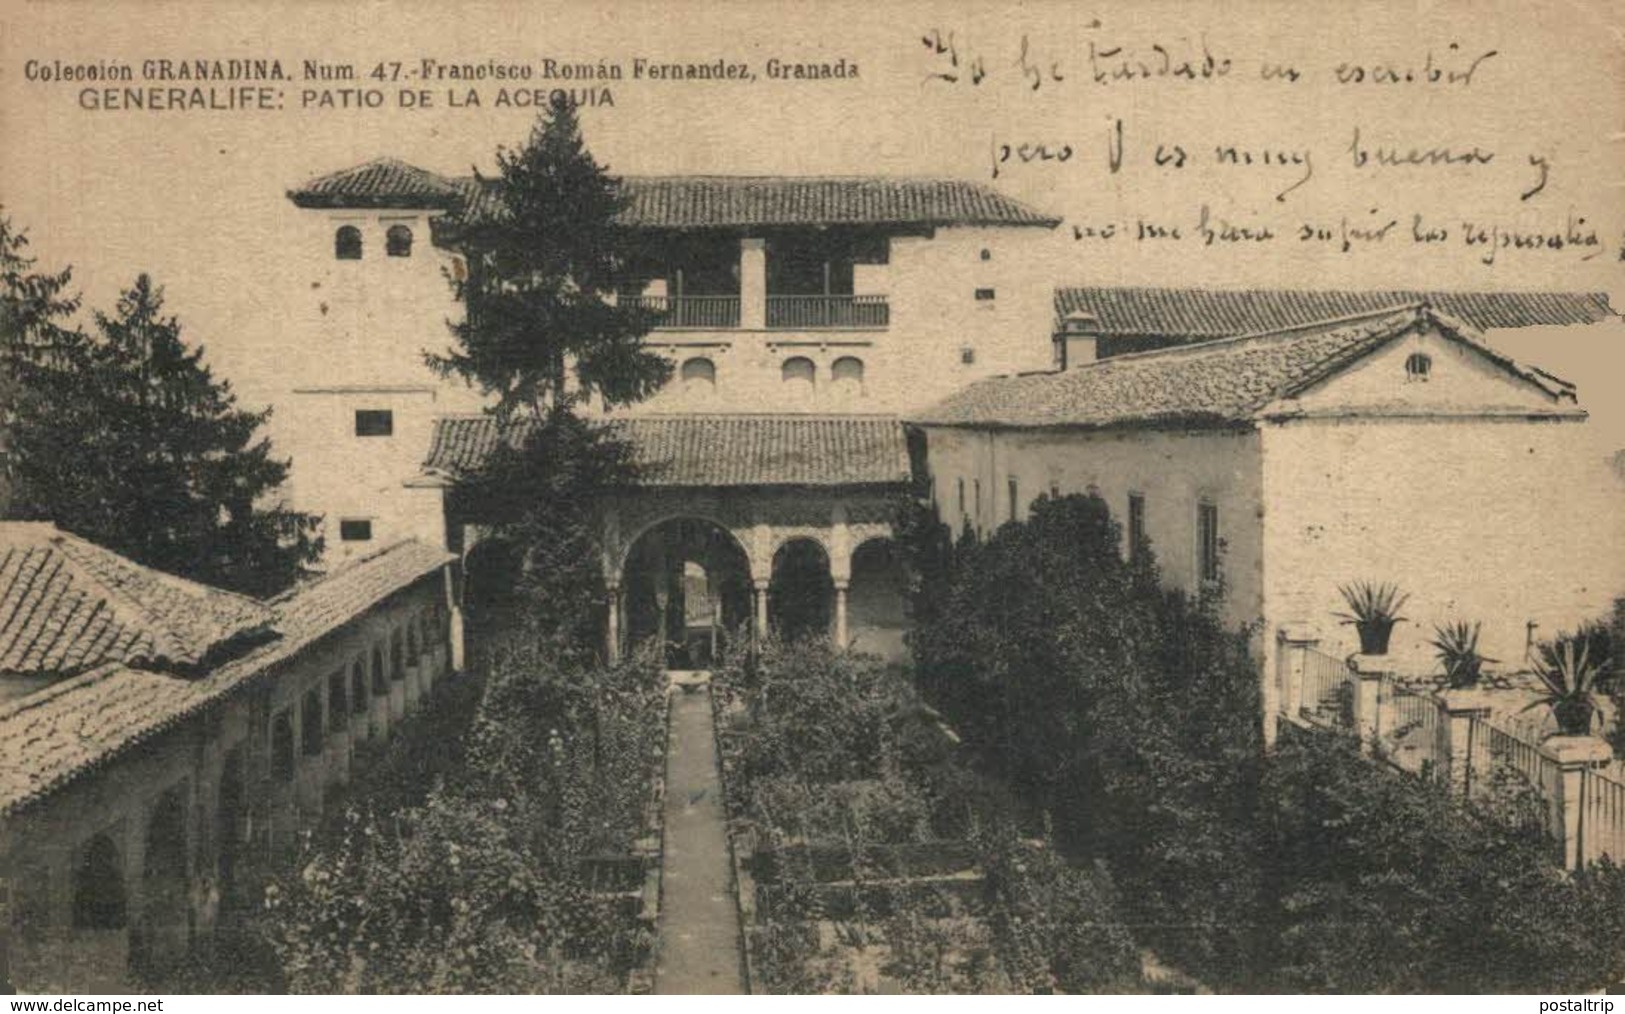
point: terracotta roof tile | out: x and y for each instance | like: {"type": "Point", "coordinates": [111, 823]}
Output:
{"type": "Point", "coordinates": [719, 450]}
{"type": "Point", "coordinates": [73, 726]}
{"type": "Point", "coordinates": [67, 605]}
{"type": "Point", "coordinates": [1227, 382]}
{"type": "Point", "coordinates": [1189, 314]}
{"type": "Point", "coordinates": [685, 202]}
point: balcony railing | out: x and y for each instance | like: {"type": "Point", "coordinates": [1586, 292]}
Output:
{"type": "Point", "coordinates": [690, 311]}
{"type": "Point", "coordinates": [811, 312]}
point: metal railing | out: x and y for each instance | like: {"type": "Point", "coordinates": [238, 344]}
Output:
{"type": "Point", "coordinates": [689, 311]}
{"type": "Point", "coordinates": [1326, 697]}
{"type": "Point", "coordinates": [1602, 816]}
{"type": "Point", "coordinates": [812, 312]}
{"type": "Point", "coordinates": [1415, 731]}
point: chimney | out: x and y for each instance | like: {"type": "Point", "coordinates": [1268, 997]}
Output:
{"type": "Point", "coordinates": [1076, 340]}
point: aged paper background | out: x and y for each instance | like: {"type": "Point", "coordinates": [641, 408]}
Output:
{"type": "Point", "coordinates": [197, 196]}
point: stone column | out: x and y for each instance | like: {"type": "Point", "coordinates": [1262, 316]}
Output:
{"type": "Point", "coordinates": [1573, 755]}
{"type": "Point", "coordinates": [1369, 673]}
{"type": "Point", "coordinates": [840, 615]}
{"type": "Point", "coordinates": [753, 283]}
{"type": "Point", "coordinates": [760, 590]}
{"type": "Point", "coordinates": [1462, 709]}
{"type": "Point", "coordinates": [612, 632]}
{"type": "Point", "coordinates": [1292, 644]}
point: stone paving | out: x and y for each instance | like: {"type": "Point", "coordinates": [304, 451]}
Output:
{"type": "Point", "coordinates": [699, 944]}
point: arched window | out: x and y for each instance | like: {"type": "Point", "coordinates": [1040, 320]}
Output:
{"type": "Point", "coordinates": [397, 657]}
{"type": "Point", "coordinates": [698, 375]}
{"type": "Point", "coordinates": [98, 887]}
{"type": "Point", "coordinates": [347, 243]}
{"type": "Point", "coordinates": [398, 241]}
{"type": "Point", "coordinates": [799, 373]}
{"type": "Point", "coordinates": [358, 688]}
{"type": "Point", "coordinates": [1418, 366]}
{"type": "Point", "coordinates": [412, 652]}
{"type": "Point", "coordinates": [310, 722]}
{"type": "Point", "coordinates": [847, 373]}
{"type": "Point", "coordinates": [338, 703]}
{"type": "Point", "coordinates": [282, 746]}
{"type": "Point", "coordinates": [380, 679]}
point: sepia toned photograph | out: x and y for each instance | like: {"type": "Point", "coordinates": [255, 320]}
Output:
{"type": "Point", "coordinates": [630, 498]}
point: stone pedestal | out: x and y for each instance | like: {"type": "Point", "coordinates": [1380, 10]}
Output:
{"type": "Point", "coordinates": [1464, 708]}
{"type": "Point", "coordinates": [1573, 755]}
{"type": "Point", "coordinates": [1370, 671]}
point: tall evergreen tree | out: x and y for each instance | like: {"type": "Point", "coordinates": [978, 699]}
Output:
{"type": "Point", "coordinates": [140, 448]}
{"type": "Point", "coordinates": [38, 350]}
{"type": "Point", "coordinates": [538, 331]}
{"type": "Point", "coordinates": [541, 335]}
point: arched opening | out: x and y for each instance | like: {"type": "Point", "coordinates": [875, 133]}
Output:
{"type": "Point", "coordinates": [686, 582]}
{"type": "Point", "coordinates": [877, 600]}
{"type": "Point", "coordinates": [166, 916]}
{"type": "Point", "coordinates": [846, 375]}
{"type": "Point", "coordinates": [358, 688]}
{"type": "Point", "coordinates": [799, 376]}
{"type": "Point", "coordinates": [231, 827]}
{"type": "Point", "coordinates": [398, 241]}
{"type": "Point", "coordinates": [801, 596]}
{"type": "Point", "coordinates": [698, 377]}
{"type": "Point", "coordinates": [347, 243]}
{"type": "Point", "coordinates": [380, 681]}
{"type": "Point", "coordinates": [98, 887]}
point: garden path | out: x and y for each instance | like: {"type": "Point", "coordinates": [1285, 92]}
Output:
{"type": "Point", "coordinates": [699, 943]}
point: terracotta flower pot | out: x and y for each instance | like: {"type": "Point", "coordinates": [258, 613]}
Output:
{"type": "Point", "coordinates": [1573, 717]}
{"type": "Point", "coordinates": [1374, 635]}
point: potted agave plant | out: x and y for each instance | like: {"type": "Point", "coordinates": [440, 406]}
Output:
{"type": "Point", "coordinates": [1569, 673]}
{"type": "Point", "coordinates": [1373, 609]}
{"type": "Point", "coordinates": [1456, 647]}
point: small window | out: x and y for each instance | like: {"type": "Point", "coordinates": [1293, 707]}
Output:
{"type": "Point", "coordinates": [1014, 490]}
{"type": "Point", "coordinates": [358, 688]}
{"type": "Point", "coordinates": [984, 295]}
{"type": "Point", "coordinates": [976, 489]}
{"type": "Point", "coordinates": [380, 679]}
{"type": "Point", "coordinates": [1054, 489]}
{"type": "Point", "coordinates": [282, 746]}
{"type": "Point", "coordinates": [987, 254]}
{"type": "Point", "coordinates": [1207, 537]}
{"type": "Point", "coordinates": [338, 702]}
{"type": "Point", "coordinates": [398, 241]}
{"type": "Point", "coordinates": [1418, 366]}
{"type": "Point", "coordinates": [310, 722]}
{"type": "Point", "coordinates": [347, 243]}
{"type": "Point", "coordinates": [698, 375]}
{"type": "Point", "coordinates": [799, 371]}
{"type": "Point", "coordinates": [961, 497]}
{"type": "Point", "coordinates": [847, 374]}
{"type": "Point", "coordinates": [1136, 523]}
{"type": "Point", "coordinates": [355, 530]}
{"type": "Point", "coordinates": [374, 422]}
{"type": "Point", "coordinates": [967, 355]}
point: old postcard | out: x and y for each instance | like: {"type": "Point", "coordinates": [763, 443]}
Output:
{"type": "Point", "coordinates": [630, 497]}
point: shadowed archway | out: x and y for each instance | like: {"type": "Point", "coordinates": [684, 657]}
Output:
{"type": "Point", "coordinates": [802, 594]}
{"type": "Point", "coordinates": [686, 583]}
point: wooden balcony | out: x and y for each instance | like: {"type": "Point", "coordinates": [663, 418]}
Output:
{"type": "Point", "coordinates": [690, 311]}
{"type": "Point", "coordinates": [806, 313]}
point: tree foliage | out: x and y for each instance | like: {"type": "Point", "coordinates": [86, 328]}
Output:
{"type": "Point", "coordinates": [538, 331]}
{"type": "Point", "coordinates": [1133, 715]}
{"type": "Point", "coordinates": [128, 439]}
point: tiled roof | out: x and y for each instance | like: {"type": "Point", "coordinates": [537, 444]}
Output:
{"type": "Point", "coordinates": [1228, 382]}
{"type": "Point", "coordinates": [687, 202]}
{"type": "Point", "coordinates": [719, 450]}
{"type": "Point", "coordinates": [73, 726]}
{"type": "Point", "coordinates": [67, 605]}
{"type": "Point", "coordinates": [1215, 313]}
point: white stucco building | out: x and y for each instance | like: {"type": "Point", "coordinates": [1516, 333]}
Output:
{"type": "Point", "coordinates": [1393, 445]}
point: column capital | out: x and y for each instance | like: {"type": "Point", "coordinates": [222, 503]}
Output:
{"type": "Point", "coordinates": [760, 583]}
{"type": "Point", "coordinates": [842, 584]}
